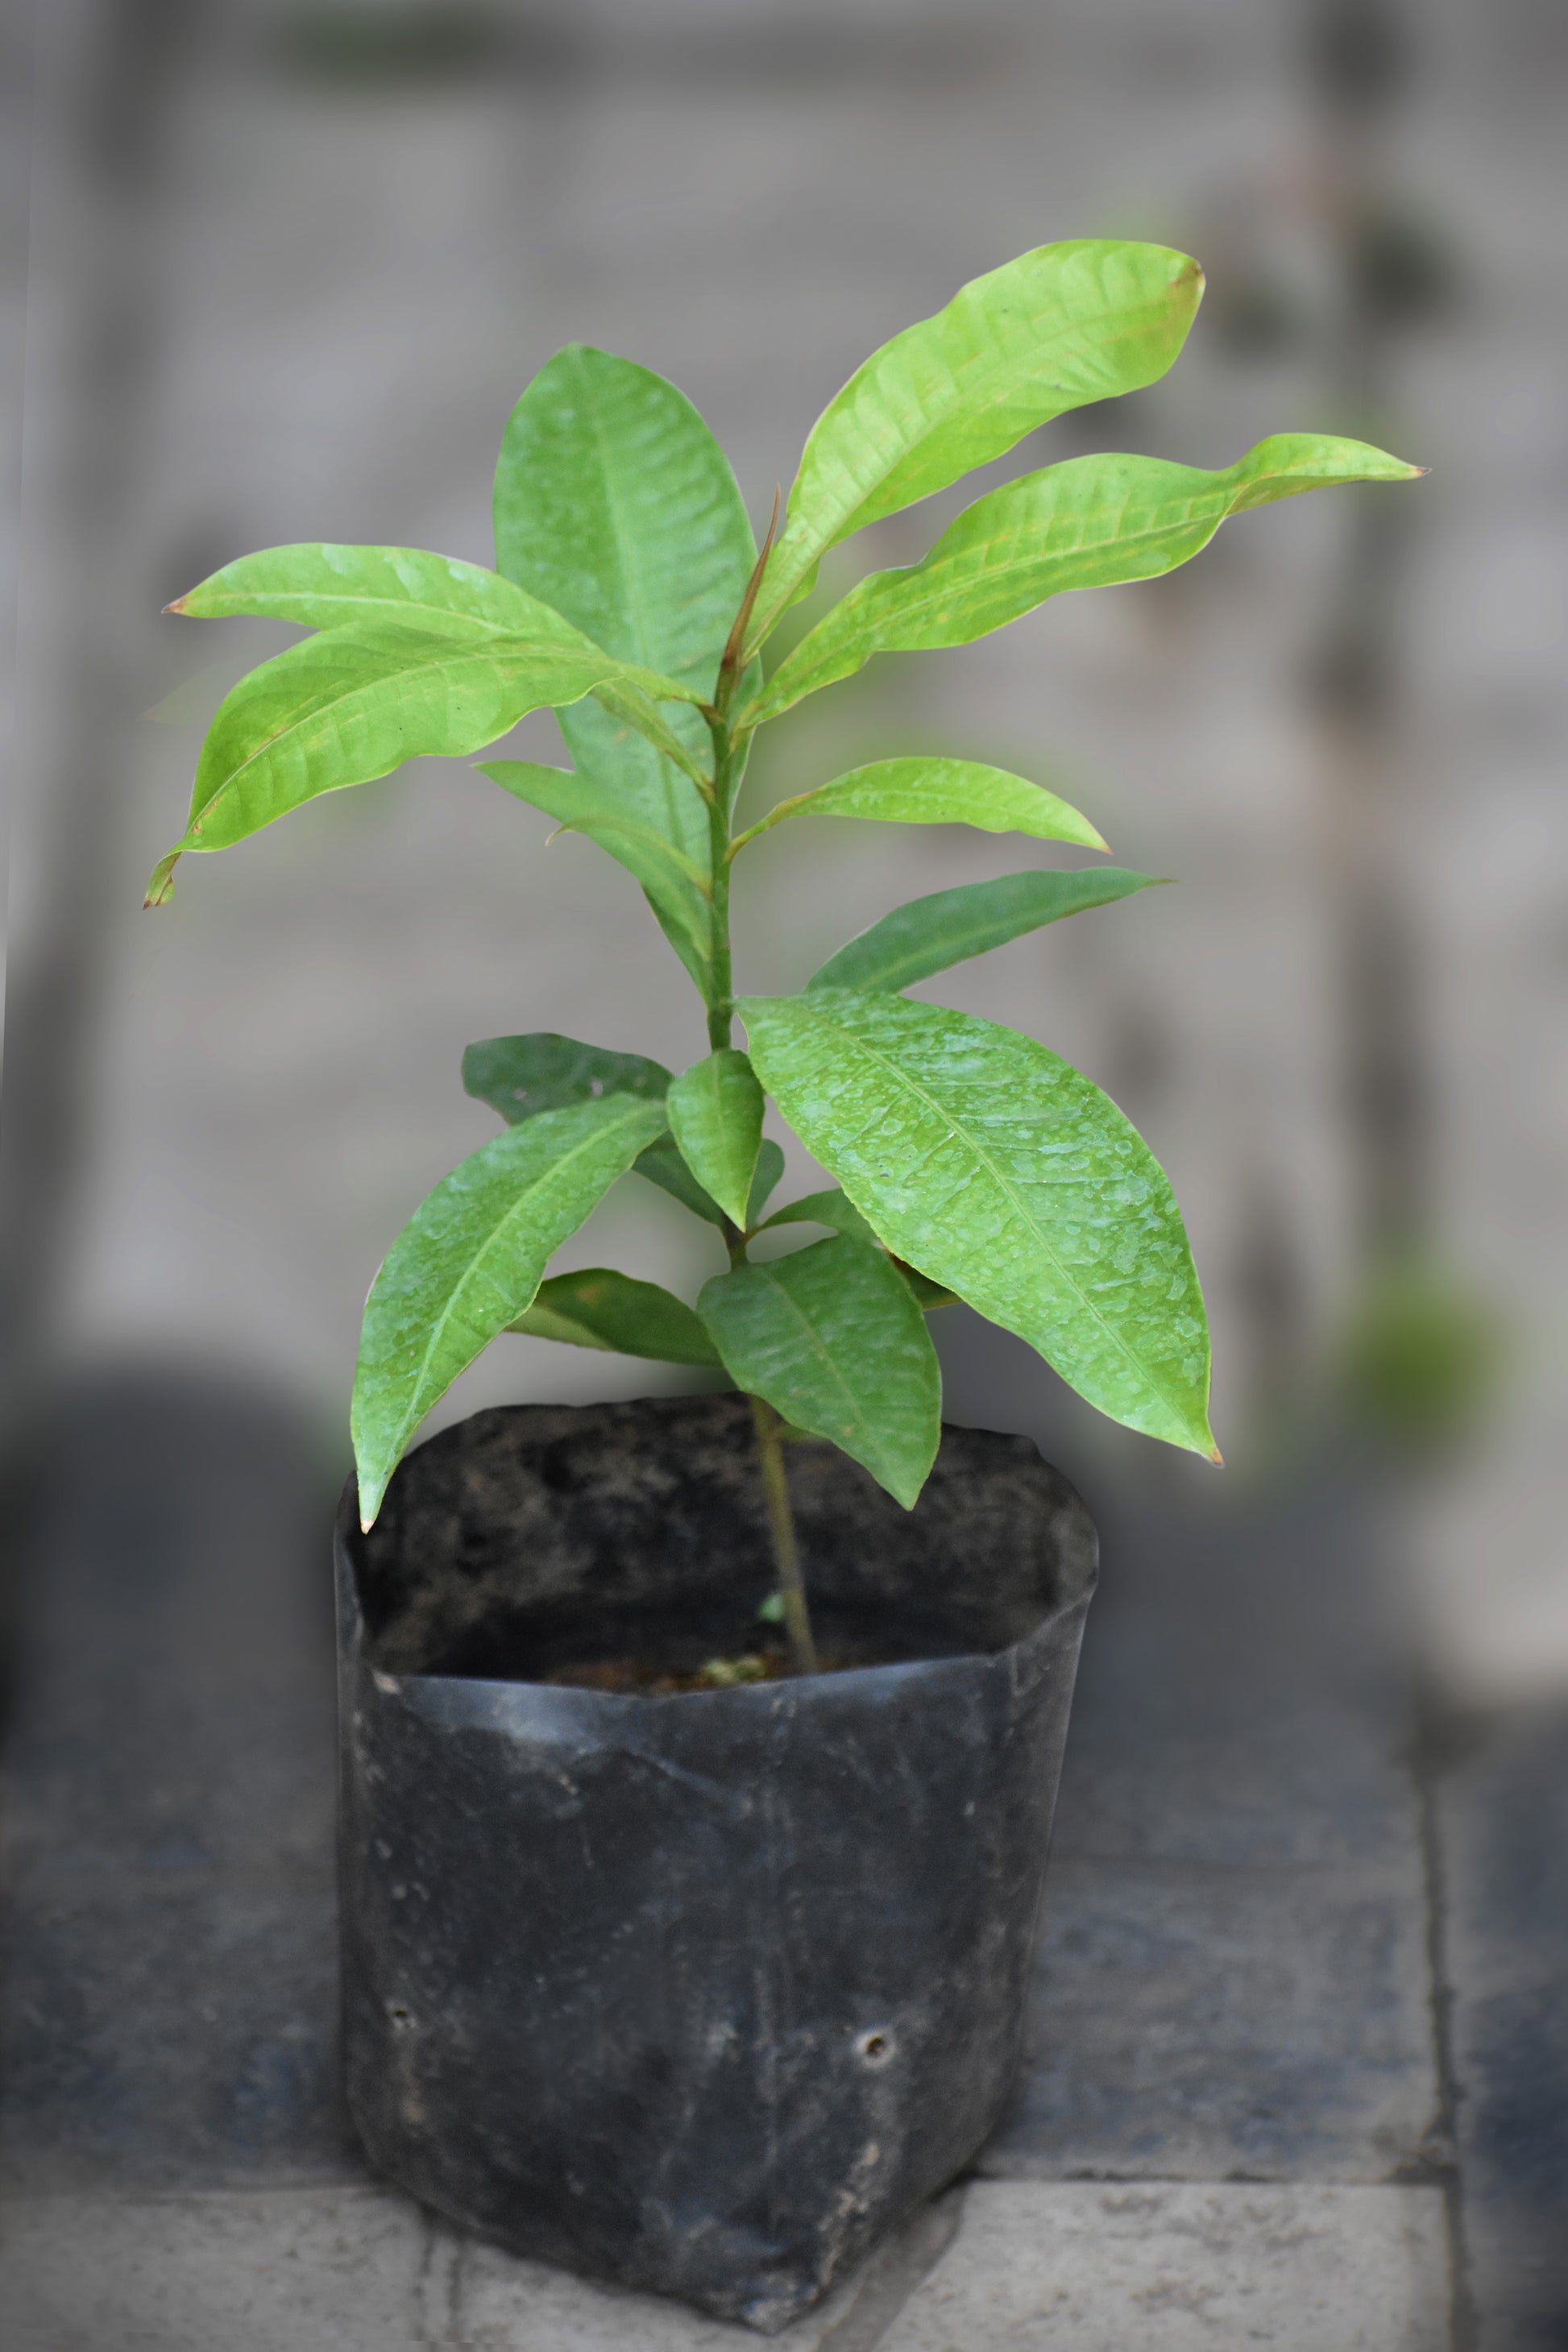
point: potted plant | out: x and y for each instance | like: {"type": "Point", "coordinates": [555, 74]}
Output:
{"type": "Point", "coordinates": [698, 1755]}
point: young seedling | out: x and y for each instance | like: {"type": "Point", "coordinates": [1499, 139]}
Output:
{"type": "Point", "coordinates": [628, 595]}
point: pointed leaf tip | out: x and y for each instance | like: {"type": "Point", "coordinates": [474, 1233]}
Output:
{"type": "Point", "coordinates": [1217, 1457]}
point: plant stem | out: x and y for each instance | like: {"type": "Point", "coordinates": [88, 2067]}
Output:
{"type": "Point", "coordinates": [781, 1527]}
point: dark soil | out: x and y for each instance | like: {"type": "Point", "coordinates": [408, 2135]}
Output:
{"type": "Point", "coordinates": [642, 1678]}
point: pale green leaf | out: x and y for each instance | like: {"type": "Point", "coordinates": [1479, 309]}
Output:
{"type": "Point", "coordinates": [470, 1261]}
{"type": "Point", "coordinates": [597, 1308]}
{"type": "Point", "coordinates": [1085, 524]}
{"type": "Point", "coordinates": [832, 1340]}
{"type": "Point", "coordinates": [615, 503]}
{"type": "Point", "coordinates": [930, 935]}
{"type": "Point", "coordinates": [320, 586]}
{"type": "Point", "coordinates": [1062, 325]}
{"type": "Point", "coordinates": [521, 1077]}
{"type": "Point", "coordinates": [353, 704]}
{"type": "Point", "coordinates": [937, 792]}
{"type": "Point", "coordinates": [675, 887]}
{"type": "Point", "coordinates": [1000, 1173]}
{"type": "Point", "coordinates": [715, 1111]}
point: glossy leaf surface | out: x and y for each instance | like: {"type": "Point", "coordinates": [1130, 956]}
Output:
{"type": "Point", "coordinates": [353, 704]}
{"type": "Point", "coordinates": [1067, 323]}
{"type": "Point", "coordinates": [614, 504]}
{"type": "Point", "coordinates": [1088, 524]}
{"type": "Point", "coordinates": [521, 1077]}
{"type": "Point", "coordinates": [469, 1260]}
{"type": "Point", "coordinates": [770, 1168]}
{"type": "Point", "coordinates": [1003, 1174]}
{"type": "Point", "coordinates": [597, 1308]}
{"type": "Point", "coordinates": [833, 1341]}
{"type": "Point", "coordinates": [715, 1112]}
{"type": "Point", "coordinates": [930, 935]}
{"type": "Point", "coordinates": [938, 791]}
{"type": "Point", "coordinates": [675, 887]}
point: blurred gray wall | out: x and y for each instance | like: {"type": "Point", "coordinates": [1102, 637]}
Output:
{"type": "Point", "coordinates": [287, 268]}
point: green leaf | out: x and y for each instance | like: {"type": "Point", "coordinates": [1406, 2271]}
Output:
{"type": "Point", "coordinates": [835, 1208]}
{"type": "Point", "coordinates": [614, 504]}
{"type": "Point", "coordinates": [1000, 1173]}
{"type": "Point", "coordinates": [770, 1168]}
{"type": "Point", "coordinates": [341, 709]}
{"type": "Point", "coordinates": [937, 792]}
{"type": "Point", "coordinates": [1065, 324]}
{"type": "Point", "coordinates": [597, 1308]}
{"type": "Point", "coordinates": [928, 935]}
{"type": "Point", "coordinates": [1085, 524]}
{"type": "Point", "coordinates": [715, 1111]}
{"type": "Point", "coordinates": [468, 1263]}
{"type": "Point", "coordinates": [674, 886]}
{"type": "Point", "coordinates": [662, 1164]}
{"type": "Point", "coordinates": [521, 1077]}
{"type": "Point", "coordinates": [831, 1207]}
{"type": "Point", "coordinates": [832, 1339]}
{"type": "Point", "coordinates": [327, 587]}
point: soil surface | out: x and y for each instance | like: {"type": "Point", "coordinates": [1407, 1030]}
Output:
{"type": "Point", "coordinates": [643, 1678]}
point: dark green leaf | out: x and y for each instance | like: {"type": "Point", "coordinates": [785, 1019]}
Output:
{"type": "Point", "coordinates": [931, 934]}
{"type": "Point", "coordinates": [521, 1077]}
{"type": "Point", "coordinates": [715, 1111]}
{"type": "Point", "coordinates": [468, 1262]}
{"type": "Point", "coordinates": [770, 1168]}
{"type": "Point", "coordinates": [344, 708]}
{"type": "Point", "coordinates": [597, 1308]}
{"type": "Point", "coordinates": [1000, 1173]}
{"type": "Point", "coordinates": [832, 1339]}
{"type": "Point", "coordinates": [1085, 524]}
{"type": "Point", "coordinates": [937, 792]}
{"type": "Point", "coordinates": [1065, 324]}
{"type": "Point", "coordinates": [676, 888]}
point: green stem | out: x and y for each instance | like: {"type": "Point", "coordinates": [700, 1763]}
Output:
{"type": "Point", "coordinates": [781, 1527]}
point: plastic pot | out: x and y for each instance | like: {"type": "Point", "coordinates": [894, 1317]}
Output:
{"type": "Point", "coordinates": [702, 1992]}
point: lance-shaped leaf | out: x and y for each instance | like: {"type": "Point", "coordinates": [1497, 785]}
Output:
{"type": "Point", "coordinates": [353, 704]}
{"type": "Point", "coordinates": [521, 1077]}
{"type": "Point", "coordinates": [715, 1112]}
{"type": "Point", "coordinates": [323, 586]}
{"type": "Point", "coordinates": [833, 1207]}
{"type": "Point", "coordinates": [1003, 1174]}
{"type": "Point", "coordinates": [937, 792]}
{"type": "Point", "coordinates": [615, 503]}
{"type": "Point", "coordinates": [675, 887]}
{"type": "Point", "coordinates": [1085, 524]}
{"type": "Point", "coordinates": [468, 1262]}
{"type": "Point", "coordinates": [662, 1164]}
{"type": "Point", "coordinates": [1065, 324]}
{"type": "Point", "coordinates": [930, 935]}
{"type": "Point", "coordinates": [597, 1308]}
{"type": "Point", "coordinates": [832, 1339]}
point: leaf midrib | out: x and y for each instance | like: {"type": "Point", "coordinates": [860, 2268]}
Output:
{"type": "Point", "coordinates": [863, 1421]}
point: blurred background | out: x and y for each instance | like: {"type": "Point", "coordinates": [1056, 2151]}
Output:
{"type": "Point", "coordinates": [278, 270]}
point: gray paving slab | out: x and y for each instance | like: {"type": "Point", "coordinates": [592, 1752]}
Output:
{"type": "Point", "coordinates": [1233, 1978]}
{"type": "Point", "coordinates": [294, 2270]}
{"type": "Point", "coordinates": [170, 2003]}
{"type": "Point", "coordinates": [1207, 2023]}
{"type": "Point", "coordinates": [1503, 1815]}
{"type": "Point", "coordinates": [1076, 2267]}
